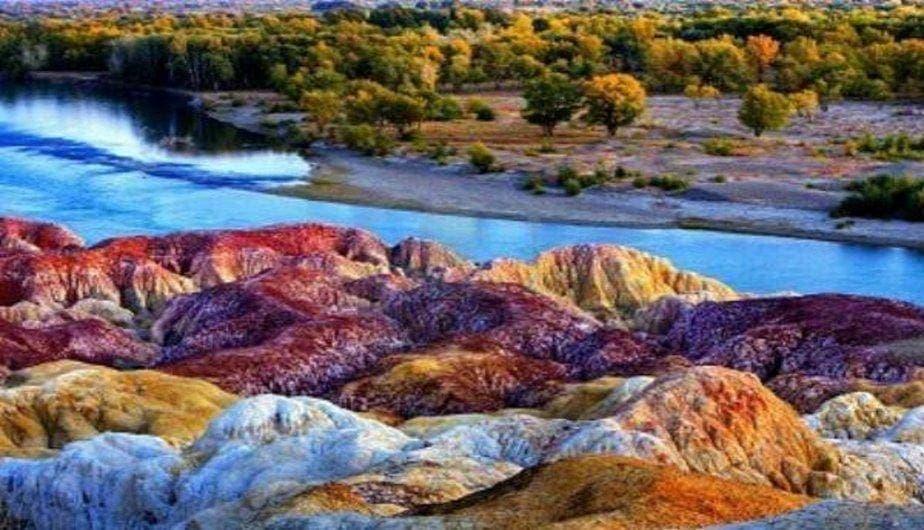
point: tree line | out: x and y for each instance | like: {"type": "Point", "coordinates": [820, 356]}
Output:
{"type": "Point", "coordinates": [394, 66]}
{"type": "Point", "coordinates": [861, 53]}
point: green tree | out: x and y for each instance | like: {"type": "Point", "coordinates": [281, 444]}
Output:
{"type": "Point", "coordinates": [402, 112]}
{"type": "Point", "coordinates": [764, 110]}
{"type": "Point", "coordinates": [323, 107]}
{"type": "Point", "coordinates": [550, 100]}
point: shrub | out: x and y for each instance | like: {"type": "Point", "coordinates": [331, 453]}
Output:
{"type": "Point", "coordinates": [480, 109]}
{"type": "Point", "coordinates": [719, 147]}
{"type": "Point", "coordinates": [572, 187]}
{"type": "Point", "coordinates": [893, 147]}
{"type": "Point", "coordinates": [669, 182]}
{"type": "Point", "coordinates": [720, 179]}
{"type": "Point", "coordinates": [366, 139]}
{"type": "Point", "coordinates": [444, 109]}
{"type": "Point", "coordinates": [885, 197]}
{"type": "Point", "coordinates": [482, 158]}
{"type": "Point", "coordinates": [535, 184]}
{"type": "Point", "coordinates": [621, 173]}
{"type": "Point", "coordinates": [441, 151]}
{"type": "Point", "coordinates": [601, 175]}
{"type": "Point", "coordinates": [299, 137]}
{"type": "Point", "coordinates": [566, 173]}
{"type": "Point", "coordinates": [485, 114]}
{"type": "Point", "coordinates": [639, 182]}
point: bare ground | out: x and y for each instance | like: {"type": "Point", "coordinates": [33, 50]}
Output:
{"type": "Point", "coordinates": [783, 184]}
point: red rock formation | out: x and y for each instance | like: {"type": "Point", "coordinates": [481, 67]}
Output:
{"type": "Point", "coordinates": [22, 235]}
{"type": "Point", "coordinates": [134, 270]}
{"type": "Point", "coordinates": [309, 308]}
{"type": "Point", "coordinates": [248, 312]}
{"type": "Point", "coordinates": [835, 336]}
{"type": "Point", "coordinates": [309, 357]}
{"type": "Point", "coordinates": [452, 379]}
{"type": "Point", "coordinates": [510, 315]}
{"type": "Point", "coordinates": [614, 351]}
{"type": "Point", "coordinates": [807, 393]}
{"type": "Point", "coordinates": [91, 341]}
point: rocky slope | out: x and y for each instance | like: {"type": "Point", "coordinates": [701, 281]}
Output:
{"type": "Point", "coordinates": [45, 407]}
{"type": "Point", "coordinates": [312, 376]}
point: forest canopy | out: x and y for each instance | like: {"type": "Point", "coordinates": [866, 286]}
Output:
{"type": "Point", "coordinates": [864, 53]}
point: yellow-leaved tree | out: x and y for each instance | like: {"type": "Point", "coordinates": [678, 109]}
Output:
{"type": "Point", "coordinates": [762, 50]}
{"type": "Point", "coordinates": [613, 100]}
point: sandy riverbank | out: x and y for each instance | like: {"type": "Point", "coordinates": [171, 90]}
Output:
{"type": "Point", "coordinates": [761, 206]}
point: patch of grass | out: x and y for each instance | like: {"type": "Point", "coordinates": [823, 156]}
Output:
{"type": "Point", "coordinates": [574, 182]}
{"type": "Point", "coordinates": [885, 197]}
{"type": "Point", "coordinates": [719, 147]}
{"type": "Point", "coordinates": [892, 147]}
{"type": "Point", "coordinates": [669, 182]}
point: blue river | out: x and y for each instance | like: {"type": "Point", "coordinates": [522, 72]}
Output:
{"type": "Point", "coordinates": [102, 164]}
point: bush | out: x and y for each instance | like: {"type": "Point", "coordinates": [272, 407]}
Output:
{"type": "Point", "coordinates": [719, 147]}
{"type": "Point", "coordinates": [535, 184]}
{"type": "Point", "coordinates": [639, 182]}
{"type": "Point", "coordinates": [485, 114]}
{"type": "Point", "coordinates": [441, 151]}
{"type": "Point", "coordinates": [572, 187]}
{"type": "Point", "coordinates": [482, 158]}
{"type": "Point", "coordinates": [885, 197]}
{"type": "Point", "coordinates": [893, 147]}
{"type": "Point", "coordinates": [366, 139]}
{"type": "Point", "coordinates": [566, 173]}
{"type": "Point", "coordinates": [669, 182]}
{"type": "Point", "coordinates": [480, 109]}
{"type": "Point", "coordinates": [621, 173]}
{"type": "Point", "coordinates": [444, 109]}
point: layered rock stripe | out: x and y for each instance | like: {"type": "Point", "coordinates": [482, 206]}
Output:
{"type": "Point", "coordinates": [126, 364]}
